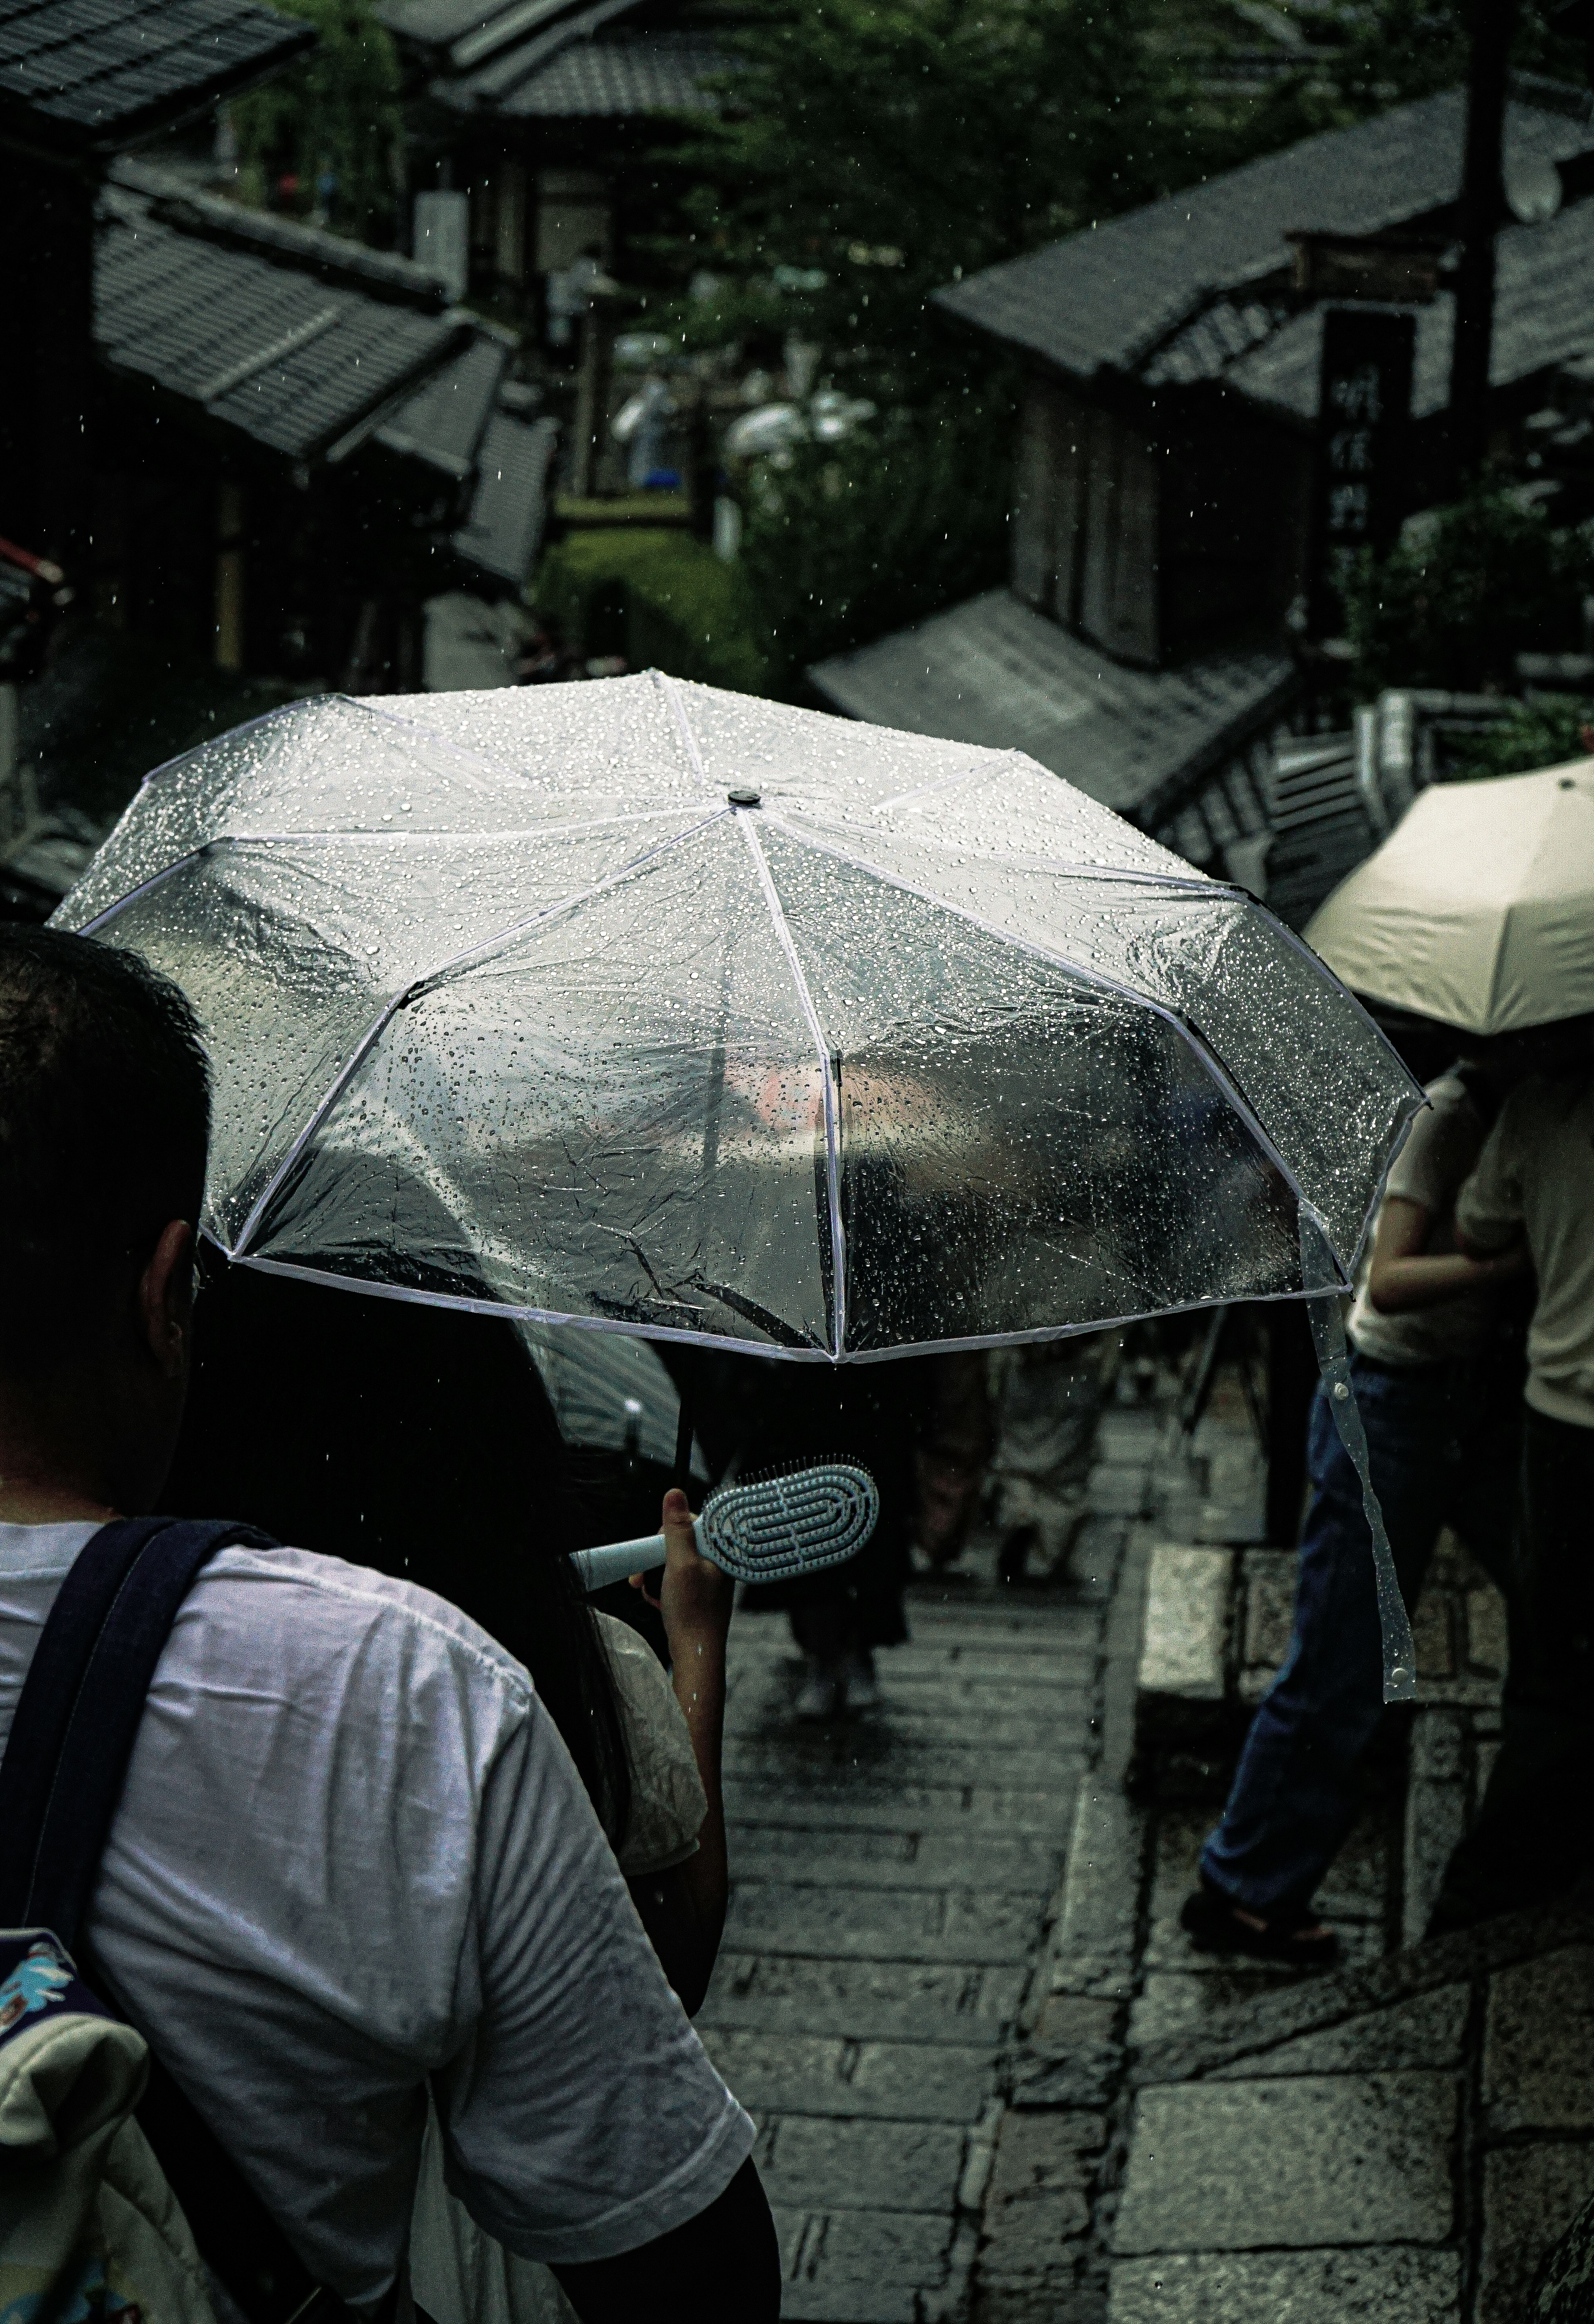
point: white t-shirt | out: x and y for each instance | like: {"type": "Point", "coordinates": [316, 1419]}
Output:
{"type": "Point", "coordinates": [1536, 1177]}
{"type": "Point", "coordinates": [1443, 1143]}
{"type": "Point", "coordinates": [354, 1854]}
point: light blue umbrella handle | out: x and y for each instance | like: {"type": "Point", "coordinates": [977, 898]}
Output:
{"type": "Point", "coordinates": [1320, 1275]}
{"type": "Point", "coordinates": [619, 1559]}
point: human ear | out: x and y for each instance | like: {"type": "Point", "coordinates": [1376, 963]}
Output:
{"type": "Point", "coordinates": [166, 1298]}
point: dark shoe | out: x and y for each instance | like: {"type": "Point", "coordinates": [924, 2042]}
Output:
{"type": "Point", "coordinates": [1216, 1924]}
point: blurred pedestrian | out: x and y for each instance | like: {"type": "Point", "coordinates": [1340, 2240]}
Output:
{"type": "Point", "coordinates": [1437, 1378]}
{"type": "Point", "coordinates": [1535, 1182]}
{"type": "Point", "coordinates": [755, 1415]}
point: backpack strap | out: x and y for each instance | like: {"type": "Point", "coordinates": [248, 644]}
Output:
{"type": "Point", "coordinates": [60, 1780]}
{"type": "Point", "coordinates": [77, 1718]}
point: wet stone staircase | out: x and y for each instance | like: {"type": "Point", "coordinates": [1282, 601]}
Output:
{"type": "Point", "coordinates": [892, 1880]}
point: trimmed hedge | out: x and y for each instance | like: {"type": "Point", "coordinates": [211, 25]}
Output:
{"type": "Point", "coordinates": [661, 598]}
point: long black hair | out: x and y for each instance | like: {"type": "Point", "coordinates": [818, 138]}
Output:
{"type": "Point", "coordinates": [415, 1440]}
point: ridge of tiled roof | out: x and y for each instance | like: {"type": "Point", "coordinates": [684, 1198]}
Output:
{"type": "Point", "coordinates": [178, 203]}
{"type": "Point", "coordinates": [495, 80]}
{"type": "Point", "coordinates": [88, 75]}
{"type": "Point", "coordinates": [302, 366]}
{"type": "Point", "coordinates": [1108, 296]}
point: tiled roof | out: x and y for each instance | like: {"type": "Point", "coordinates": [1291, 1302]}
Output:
{"type": "Point", "coordinates": [1114, 294]}
{"type": "Point", "coordinates": [95, 74]}
{"type": "Point", "coordinates": [443, 422]}
{"type": "Point", "coordinates": [620, 76]}
{"type": "Point", "coordinates": [1544, 316]}
{"type": "Point", "coordinates": [291, 359]}
{"type": "Point", "coordinates": [503, 534]}
{"type": "Point", "coordinates": [469, 30]}
{"type": "Point", "coordinates": [1210, 341]}
{"type": "Point", "coordinates": [993, 671]}
{"type": "Point", "coordinates": [302, 246]}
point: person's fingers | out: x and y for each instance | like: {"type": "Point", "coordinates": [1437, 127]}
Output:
{"type": "Point", "coordinates": [678, 1533]}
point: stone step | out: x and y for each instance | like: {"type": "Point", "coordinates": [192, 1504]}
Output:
{"type": "Point", "coordinates": [836, 1801]}
{"type": "Point", "coordinates": [811, 2074]}
{"type": "Point", "coordinates": [789, 1850]}
{"type": "Point", "coordinates": [861, 2267]}
{"type": "Point", "coordinates": [882, 1924]}
{"type": "Point", "coordinates": [864, 2000]}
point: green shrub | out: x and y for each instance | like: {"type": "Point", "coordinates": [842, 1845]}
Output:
{"type": "Point", "coordinates": [659, 597]}
{"type": "Point", "coordinates": [1455, 602]}
{"type": "Point", "coordinates": [1544, 733]}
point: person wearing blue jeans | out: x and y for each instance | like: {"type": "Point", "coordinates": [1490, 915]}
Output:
{"type": "Point", "coordinates": [1439, 1386]}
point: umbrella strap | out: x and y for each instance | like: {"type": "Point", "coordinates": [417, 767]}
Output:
{"type": "Point", "coordinates": [1323, 1284]}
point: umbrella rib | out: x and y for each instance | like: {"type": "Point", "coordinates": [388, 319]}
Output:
{"type": "Point", "coordinates": [463, 1303]}
{"type": "Point", "coordinates": [420, 984]}
{"type": "Point", "coordinates": [1095, 976]}
{"type": "Point", "coordinates": [838, 1240]}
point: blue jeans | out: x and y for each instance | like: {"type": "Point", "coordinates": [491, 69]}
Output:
{"type": "Point", "coordinates": [1443, 1444]}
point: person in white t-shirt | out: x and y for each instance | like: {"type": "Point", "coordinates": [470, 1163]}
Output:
{"type": "Point", "coordinates": [353, 1863]}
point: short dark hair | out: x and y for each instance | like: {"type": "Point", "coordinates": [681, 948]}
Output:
{"type": "Point", "coordinates": [104, 1125]}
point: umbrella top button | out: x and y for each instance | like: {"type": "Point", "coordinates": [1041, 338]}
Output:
{"type": "Point", "coordinates": [743, 799]}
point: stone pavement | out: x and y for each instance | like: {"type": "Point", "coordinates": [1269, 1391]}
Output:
{"type": "Point", "coordinates": [892, 1880]}
{"type": "Point", "coordinates": [994, 2084]}
{"type": "Point", "coordinates": [1190, 2142]}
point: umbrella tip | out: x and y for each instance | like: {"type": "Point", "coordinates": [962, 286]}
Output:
{"type": "Point", "coordinates": [743, 799]}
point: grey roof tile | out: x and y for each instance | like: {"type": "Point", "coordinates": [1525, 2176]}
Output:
{"type": "Point", "coordinates": [993, 671]}
{"type": "Point", "coordinates": [504, 532]}
{"type": "Point", "coordinates": [302, 246]}
{"type": "Point", "coordinates": [93, 74]}
{"type": "Point", "coordinates": [291, 360]}
{"type": "Point", "coordinates": [618, 77]}
{"type": "Point", "coordinates": [443, 422]}
{"type": "Point", "coordinates": [1112, 294]}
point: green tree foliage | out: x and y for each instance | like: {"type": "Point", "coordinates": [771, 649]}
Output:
{"type": "Point", "coordinates": [1463, 593]}
{"type": "Point", "coordinates": [1360, 56]}
{"type": "Point", "coordinates": [337, 113]}
{"type": "Point", "coordinates": [875, 150]}
{"type": "Point", "coordinates": [855, 539]}
{"type": "Point", "coordinates": [1543, 733]}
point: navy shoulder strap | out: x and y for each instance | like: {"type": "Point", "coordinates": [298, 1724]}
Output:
{"type": "Point", "coordinates": [66, 1758]}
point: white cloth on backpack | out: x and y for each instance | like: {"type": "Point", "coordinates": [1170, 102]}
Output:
{"type": "Point", "coordinates": [88, 2226]}
{"type": "Point", "coordinates": [667, 1800]}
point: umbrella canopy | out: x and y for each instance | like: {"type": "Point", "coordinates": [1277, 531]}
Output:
{"type": "Point", "coordinates": [675, 1011]}
{"type": "Point", "coordinates": [1479, 909]}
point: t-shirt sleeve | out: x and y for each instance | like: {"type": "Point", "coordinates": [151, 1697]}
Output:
{"type": "Point", "coordinates": [1489, 1208]}
{"type": "Point", "coordinates": [582, 2118]}
{"type": "Point", "coordinates": [667, 1800]}
{"type": "Point", "coordinates": [1441, 1147]}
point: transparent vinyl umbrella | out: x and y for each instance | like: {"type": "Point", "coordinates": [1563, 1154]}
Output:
{"type": "Point", "coordinates": [661, 1011]}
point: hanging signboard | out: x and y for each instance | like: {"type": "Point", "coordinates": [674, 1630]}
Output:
{"type": "Point", "coordinates": [1359, 477]}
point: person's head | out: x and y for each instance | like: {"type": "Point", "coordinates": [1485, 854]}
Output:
{"type": "Point", "coordinates": [105, 1121]}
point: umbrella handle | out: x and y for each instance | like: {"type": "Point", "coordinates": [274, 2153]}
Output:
{"type": "Point", "coordinates": [620, 1559]}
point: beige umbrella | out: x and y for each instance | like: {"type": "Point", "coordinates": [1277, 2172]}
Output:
{"type": "Point", "coordinates": [1479, 909]}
